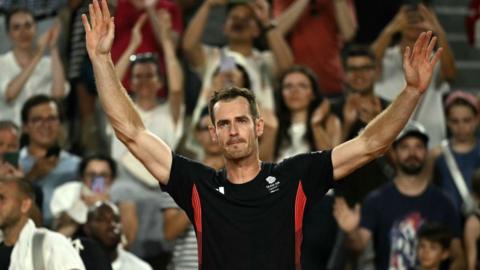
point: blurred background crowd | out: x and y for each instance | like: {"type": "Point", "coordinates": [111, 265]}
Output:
{"type": "Point", "coordinates": [321, 71]}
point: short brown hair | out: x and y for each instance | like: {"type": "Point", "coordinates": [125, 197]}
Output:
{"type": "Point", "coordinates": [230, 93]}
{"type": "Point", "coordinates": [24, 186]}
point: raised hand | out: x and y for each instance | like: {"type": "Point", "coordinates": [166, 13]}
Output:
{"type": "Point", "coordinates": [348, 219]}
{"type": "Point", "coordinates": [418, 64]}
{"type": "Point", "coordinates": [100, 31]}
{"type": "Point", "coordinates": [430, 20]}
{"type": "Point", "coordinates": [54, 34]}
{"type": "Point", "coordinates": [261, 8]}
{"type": "Point", "coordinates": [320, 113]}
{"type": "Point", "coordinates": [136, 38]}
{"type": "Point", "coordinates": [165, 21]}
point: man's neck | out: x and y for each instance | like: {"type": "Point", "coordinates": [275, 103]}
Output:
{"type": "Point", "coordinates": [112, 253]}
{"type": "Point", "coordinates": [214, 161]}
{"type": "Point", "coordinates": [410, 185]}
{"type": "Point", "coordinates": [36, 150]}
{"type": "Point", "coordinates": [299, 116]}
{"type": "Point", "coordinates": [243, 48]}
{"type": "Point", "coordinates": [463, 145]}
{"type": "Point", "coordinates": [437, 267]}
{"type": "Point", "coordinates": [11, 234]}
{"type": "Point", "coordinates": [146, 104]}
{"type": "Point", "coordinates": [244, 170]}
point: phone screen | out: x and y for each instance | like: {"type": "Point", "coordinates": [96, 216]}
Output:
{"type": "Point", "coordinates": [98, 184]}
{"type": "Point", "coordinates": [12, 158]}
{"type": "Point", "coordinates": [227, 63]}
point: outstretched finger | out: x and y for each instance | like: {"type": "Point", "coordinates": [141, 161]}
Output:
{"type": "Point", "coordinates": [431, 47]}
{"type": "Point", "coordinates": [91, 10]}
{"type": "Point", "coordinates": [111, 29]}
{"type": "Point", "coordinates": [418, 44]}
{"type": "Point", "coordinates": [436, 57]}
{"type": "Point", "coordinates": [86, 25]}
{"type": "Point", "coordinates": [105, 10]}
{"type": "Point", "coordinates": [407, 56]}
{"type": "Point", "coordinates": [98, 12]}
{"type": "Point", "coordinates": [424, 51]}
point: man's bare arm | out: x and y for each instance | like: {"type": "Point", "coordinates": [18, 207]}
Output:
{"type": "Point", "coordinates": [125, 120]}
{"type": "Point", "coordinates": [418, 67]}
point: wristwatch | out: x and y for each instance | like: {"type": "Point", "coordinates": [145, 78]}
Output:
{"type": "Point", "coordinates": [271, 25]}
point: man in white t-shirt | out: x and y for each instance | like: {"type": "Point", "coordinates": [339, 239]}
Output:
{"type": "Point", "coordinates": [22, 245]}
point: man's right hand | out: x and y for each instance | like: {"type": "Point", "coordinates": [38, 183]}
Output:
{"type": "Point", "coordinates": [347, 219]}
{"type": "Point", "coordinates": [42, 167]}
{"type": "Point", "coordinates": [100, 31]}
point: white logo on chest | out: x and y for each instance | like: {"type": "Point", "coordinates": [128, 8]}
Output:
{"type": "Point", "coordinates": [221, 190]}
{"type": "Point", "coordinates": [272, 184]}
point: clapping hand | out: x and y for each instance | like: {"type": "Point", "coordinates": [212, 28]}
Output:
{"type": "Point", "coordinates": [419, 62]}
{"type": "Point", "coordinates": [100, 31]}
{"type": "Point", "coordinates": [348, 219]}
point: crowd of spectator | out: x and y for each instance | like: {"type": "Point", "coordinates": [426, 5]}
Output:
{"type": "Point", "coordinates": [321, 71]}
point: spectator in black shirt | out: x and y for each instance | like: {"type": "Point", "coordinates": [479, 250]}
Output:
{"type": "Point", "coordinates": [249, 215]}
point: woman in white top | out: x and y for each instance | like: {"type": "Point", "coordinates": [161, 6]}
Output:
{"type": "Point", "coordinates": [26, 71]}
{"type": "Point", "coordinates": [304, 121]}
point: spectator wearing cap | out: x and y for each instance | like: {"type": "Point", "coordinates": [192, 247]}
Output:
{"type": "Point", "coordinates": [461, 112]}
{"type": "Point", "coordinates": [392, 215]}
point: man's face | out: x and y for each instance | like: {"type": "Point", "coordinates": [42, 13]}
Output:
{"type": "Point", "coordinates": [11, 205]}
{"type": "Point", "coordinates": [97, 168]}
{"type": "Point", "coordinates": [145, 80]}
{"type": "Point", "coordinates": [235, 129]}
{"type": "Point", "coordinates": [410, 154]}
{"type": "Point", "coordinates": [430, 254]}
{"type": "Point", "coordinates": [360, 74]}
{"type": "Point", "coordinates": [297, 92]}
{"type": "Point", "coordinates": [9, 141]}
{"type": "Point", "coordinates": [104, 226]}
{"type": "Point", "coordinates": [43, 125]}
{"type": "Point", "coordinates": [462, 122]}
{"type": "Point", "coordinates": [241, 24]}
{"type": "Point", "coordinates": [203, 137]}
{"type": "Point", "coordinates": [22, 30]}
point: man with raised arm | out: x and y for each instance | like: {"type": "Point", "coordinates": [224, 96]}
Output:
{"type": "Point", "coordinates": [248, 215]}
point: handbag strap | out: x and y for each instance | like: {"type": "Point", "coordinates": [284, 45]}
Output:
{"type": "Point", "coordinates": [37, 251]}
{"type": "Point", "coordinates": [456, 174]}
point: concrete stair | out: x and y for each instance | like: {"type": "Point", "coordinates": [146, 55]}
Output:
{"type": "Point", "coordinates": [451, 14]}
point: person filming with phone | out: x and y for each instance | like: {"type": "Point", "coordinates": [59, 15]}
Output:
{"type": "Point", "coordinates": [43, 161]}
{"type": "Point", "coordinates": [71, 201]}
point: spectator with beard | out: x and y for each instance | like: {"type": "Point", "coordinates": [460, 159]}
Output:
{"type": "Point", "coordinates": [392, 215]}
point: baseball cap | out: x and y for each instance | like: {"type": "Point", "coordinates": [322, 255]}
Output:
{"type": "Point", "coordinates": [414, 129]}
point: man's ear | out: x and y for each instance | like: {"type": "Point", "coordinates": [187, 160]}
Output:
{"type": "Point", "coordinates": [26, 205]}
{"type": "Point", "coordinates": [259, 126]}
{"type": "Point", "coordinates": [213, 133]}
